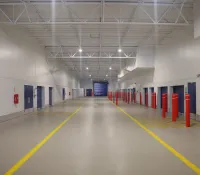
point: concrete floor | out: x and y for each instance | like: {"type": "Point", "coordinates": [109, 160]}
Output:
{"type": "Point", "coordinates": [98, 140]}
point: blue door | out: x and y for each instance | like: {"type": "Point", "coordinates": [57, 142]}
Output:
{"type": "Point", "coordinates": [63, 93]}
{"type": "Point", "coordinates": [192, 92]}
{"type": "Point", "coordinates": [88, 92]}
{"type": "Point", "coordinates": [50, 96]}
{"type": "Point", "coordinates": [133, 92]}
{"type": "Point", "coordinates": [145, 99]}
{"type": "Point", "coordinates": [28, 97]}
{"type": "Point", "coordinates": [180, 91]}
{"type": "Point", "coordinates": [100, 88]}
{"type": "Point", "coordinates": [39, 97]}
{"type": "Point", "coordinates": [152, 89]}
{"type": "Point", "coordinates": [163, 90]}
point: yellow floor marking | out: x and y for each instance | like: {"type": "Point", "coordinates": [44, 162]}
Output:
{"type": "Point", "coordinates": [15, 167]}
{"type": "Point", "coordinates": [171, 149]}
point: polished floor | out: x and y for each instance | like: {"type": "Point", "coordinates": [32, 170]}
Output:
{"type": "Point", "coordinates": [98, 140]}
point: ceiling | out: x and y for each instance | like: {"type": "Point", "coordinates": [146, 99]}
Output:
{"type": "Point", "coordinates": [99, 28]}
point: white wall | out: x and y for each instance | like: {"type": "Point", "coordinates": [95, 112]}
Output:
{"type": "Point", "coordinates": [22, 62]}
{"type": "Point", "coordinates": [145, 57]}
{"type": "Point", "coordinates": [196, 19]}
{"type": "Point", "coordinates": [175, 64]}
{"type": "Point", "coordinates": [86, 84]}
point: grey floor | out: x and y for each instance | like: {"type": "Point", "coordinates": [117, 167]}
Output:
{"type": "Point", "coordinates": [98, 140]}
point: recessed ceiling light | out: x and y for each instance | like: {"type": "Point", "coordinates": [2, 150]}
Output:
{"type": "Point", "coordinates": [80, 50]}
{"type": "Point", "coordinates": [106, 75]}
{"type": "Point", "coordinates": [90, 75]}
{"type": "Point", "coordinates": [119, 50]}
{"type": "Point", "coordinates": [87, 68]}
{"type": "Point", "coordinates": [110, 68]}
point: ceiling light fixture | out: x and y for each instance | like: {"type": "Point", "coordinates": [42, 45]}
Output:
{"type": "Point", "coordinates": [119, 50]}
{"type": "Point", "coordinates": [87, 68]}
{"type": "Point", "coordinates": [106, 75]}
{"type": "Point", "coordinates": [90, 75]}
{"type": "Point", "coordinates": [80, 50]}
{"type": "Point", "coordinates": [110, 68]}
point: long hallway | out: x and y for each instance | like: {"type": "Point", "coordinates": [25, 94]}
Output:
{"type": "Point", "coordinates": [98, 139]}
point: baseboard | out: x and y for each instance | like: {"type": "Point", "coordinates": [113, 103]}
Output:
{"type": "Point", "coordinates": [8, 117]}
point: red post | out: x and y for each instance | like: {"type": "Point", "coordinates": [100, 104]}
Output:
{"type": "Point", "coordinates": [187, 107]}
{"type": "Point", "coordinates": [128, 97]}
{"type": "Point", "coordinates": [164, 105]}
{"type": "Point", "coordinates": [116, 97]}
{"type": "Point", "coordinates": [152, 100]}
{"type": "Point", "coordinates": [146, 99]}
{"type": "Point", "coordinates": [174, 107]}
{"type": "Point", "coordinates": [176, 102]}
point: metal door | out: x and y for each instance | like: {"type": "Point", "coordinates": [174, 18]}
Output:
{"type": "Point", "coordinates": [39, 97]}
{"type": "Point", "coordinates": [192, 92]}
{"type": "Point", "coordinates": [180, 91]}
{"type": "Point", "coordinates": [50, 96]}
{"type": "Point", "coordinates": [28, 96]}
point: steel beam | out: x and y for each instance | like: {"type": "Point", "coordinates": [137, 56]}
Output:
{"type": "Point", "coordinates": [190, 5]}
{"type": "Point", "coordinates": [85, 57]}
{"type": "Point", "coordinates": [96, 23]}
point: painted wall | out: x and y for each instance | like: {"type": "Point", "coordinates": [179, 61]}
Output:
{"type": "Point", "coordinates": [86, 84]}
{"type": "Point", "coordinates": [175, 64]}
{"type": "Point", "coordinates": [22, 62]}
{"type": "Point", "coordinates": [196, 18]}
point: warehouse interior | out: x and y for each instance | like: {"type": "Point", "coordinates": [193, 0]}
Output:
{"type": "Point", "coordinates": [81, 80]}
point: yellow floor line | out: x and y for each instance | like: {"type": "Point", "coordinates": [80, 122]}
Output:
{"type": "Point", "coordinates": [15, 167]}
{"type": "Point", "coordinates": [171, 149]}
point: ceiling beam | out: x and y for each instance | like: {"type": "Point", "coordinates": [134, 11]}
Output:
{"type": "Point", "coordinates": [188, 4]}
{"type": "Point", "coordinates": [98, 23]}
{"type": "Point", "coordinates": [79, 57]}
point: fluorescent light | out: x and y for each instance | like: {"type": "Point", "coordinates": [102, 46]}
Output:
{"type": "Point", "coordinates": [110, 68]}
{"type": "Point", "coordinates": [80, 50]}
{"type": "Point", "coordinates": [87, 68]}
{"type": "Point", "coordinates": [119, 50]}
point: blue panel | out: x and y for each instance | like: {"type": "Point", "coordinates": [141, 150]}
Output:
{"type": "Point", "coordinates": [100, 88]}
{"type": "Point", "coordinates": [145, 91]}
{"type": "Point", "coordinates": [63, 93]}
{"type": "Point", "coordinates": [39, 97]}
{"type": "Point", "coordinates": [28, 97]}
{"type": "Point", "coordinates": [50, 96]}
{"type": "Point", "coordinates": [88, 92]}
{"type": "Point", "coordinates": [180, 91]}
{"type": "Point", "coordinates": [192, 92]}
{"type": "Point", "coordinates": [152, 89]}
{"type": "Point", "coordinates": [163, 90]}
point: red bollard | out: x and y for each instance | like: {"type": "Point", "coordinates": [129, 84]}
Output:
{"type": "Point", "coordinates": [134, 97]}
{"type": "Point", "coordinates": [152, 101]}
{"type": "Point", "coordinates": [146, 99]}
{"type": "Point", "coordinates": [187, 111]}
{"type": "Point", "coordinates": [128, 97]}
{"type": "Point", "coordinates": [116, 97]}
{"type": "Point", "coordinates": [164, 105]}
{"type": "Point", "coordinates": [176, 102]}
{"type": "Point", "coordinates": [174, 107]}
